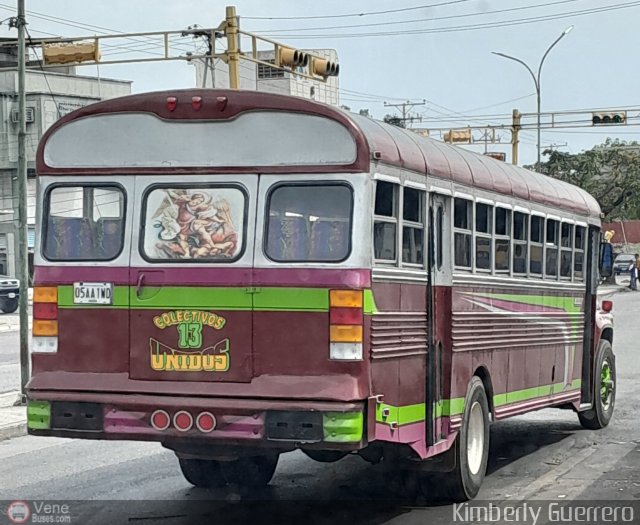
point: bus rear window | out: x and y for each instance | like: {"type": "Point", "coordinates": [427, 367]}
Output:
{"type": "Point", "coordinates": [204, 224]}
{"type": "Point", "coordinates": [309, 223]}
{"type": "Point", "coordinates": [83, 223]}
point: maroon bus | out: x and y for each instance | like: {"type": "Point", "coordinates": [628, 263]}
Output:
{"type": "Point", "coordinates": [239, 274]}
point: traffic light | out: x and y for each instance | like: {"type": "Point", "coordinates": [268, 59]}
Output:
{"type": "Point", "coordinates": [71, 52]}
{"type": "Point", "coordinates": [324, 68]}
{"type": "Point", "coordinates": [458, 135]}
{"type": "Point", "coordinates": [609, 117]}
{"type": "Point", "coordinates": [287, 57]}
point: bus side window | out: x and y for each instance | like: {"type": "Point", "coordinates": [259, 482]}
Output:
{"type": "Point", "coordinates": [484, 231]}
{"type": "Point", "coordinates": [566, 238]}
{"type": "Point", "coordinates": [462, 232]}
{"type": "Point", "coordinates": [578, 261]}
{"type": "Point", "coordinates": [503, 239]}
{"type": "Point", "coordinates": [385, 225]}
{"type": "Point", "coordinates": [535, 251]}
{"type": "Point", "coordinates": [439, 234]}
{"type": "Point", "coordinates": [551, 251]}
{"type": "Point", "coordinates": [520, 238]}
{"type": "Point", "coordinates": [413, 226]}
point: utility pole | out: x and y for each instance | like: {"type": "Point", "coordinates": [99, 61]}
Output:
{"type": "Point", "coordinates": [406, 108]}
{"type": "Point", "coordinates": [515, 140]}
{"type": "Point", "coordinates": [233, 52]}
{"type": "Point", "coordinates": [22, 253]}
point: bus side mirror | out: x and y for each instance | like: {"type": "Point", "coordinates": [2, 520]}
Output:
{"type": "Point", "coordinates": [606, 260]}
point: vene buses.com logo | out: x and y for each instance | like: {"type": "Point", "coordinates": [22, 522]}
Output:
{"type": "Point", "coordinates": [18, 512]}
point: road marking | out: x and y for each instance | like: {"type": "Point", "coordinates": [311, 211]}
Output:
{"type": "Point", "coordinates": [550, 477]}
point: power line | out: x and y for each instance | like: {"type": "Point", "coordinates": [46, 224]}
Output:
{"type": "Point", "coordinates": [82, 25]}
{"type": "Point", "coordinates": [471, 27]}
{"type": "Point", "coordinates": [418, 20]}
{"type": "Point", "coordinates": [371, 13]}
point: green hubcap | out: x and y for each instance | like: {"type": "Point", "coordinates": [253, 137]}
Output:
{"type": "Point", "coordinates": [606, 385]}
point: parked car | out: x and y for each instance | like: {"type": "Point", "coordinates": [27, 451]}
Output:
{"type": "Point", "coordinates": [622, 263]}
{"type": "Point", "coordinates": [9, 294]}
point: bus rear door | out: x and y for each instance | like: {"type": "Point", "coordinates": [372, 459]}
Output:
{"type": "Point", "coordinates": [191, 266]}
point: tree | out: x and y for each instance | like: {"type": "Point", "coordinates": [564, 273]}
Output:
{"type": "Point", "coordinates": [610, 172]}
{"type": "Point", "coordinates": [394, 120]}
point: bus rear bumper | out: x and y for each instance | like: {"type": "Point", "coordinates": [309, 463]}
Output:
{"type": "Point", "coordinates": [280, 424]}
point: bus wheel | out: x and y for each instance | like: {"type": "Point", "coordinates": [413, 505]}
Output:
{"type": "Point", "coordinates": [252, 472]}
{"type": "Point", "coordinates": [8, 306]}
{"type": "Point", "coordinates": [472, 445]}
{"type": "Point", "coordinates": [202, 473]}
{"type": "Point", "coordinates": [604, 389]}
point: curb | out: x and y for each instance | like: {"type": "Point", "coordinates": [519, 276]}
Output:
{"type": "Point", "coordinates": [18, 427]}
{"type": "Point", "coordinates": [13, 431]}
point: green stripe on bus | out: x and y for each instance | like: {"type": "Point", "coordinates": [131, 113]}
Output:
{"type": "Point", "coordinates": [240, 298]}
{"type": "Point", "coordinates": [369, 303]}
{"type": "Point", "coordinates": [453, 407]}
{"type": "Point", "coordinates": [531, 393]}
{"type": "Point", "coordinates": [308, 299]}
{"type": "Point", "coordinates": [228, 298]}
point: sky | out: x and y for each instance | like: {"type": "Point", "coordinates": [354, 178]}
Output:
{"type": "Point", "coordinates": [439, 51]}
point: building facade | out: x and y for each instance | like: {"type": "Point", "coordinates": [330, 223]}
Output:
{"type": "Point", "coordinates": [50, 95]}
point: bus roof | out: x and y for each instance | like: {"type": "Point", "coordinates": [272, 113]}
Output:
{"type": "Point", "coordinates": [373, 141]}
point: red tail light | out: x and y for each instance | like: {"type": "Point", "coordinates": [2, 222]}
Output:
{"type": "Point", "coordinates": [183, 421]}
{"type": "Point", "coordinates": [172, 103]}
{"type": "Point", "coordinates": [160, 420]}
{"type": "Point", "coordinates": [205, 422]}
{"type": "Point", "coordinates": [345, 316]}
{"type": "Point", "coordinates": [48, 311]}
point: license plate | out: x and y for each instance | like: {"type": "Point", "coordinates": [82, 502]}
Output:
{"type": "Point", "coordinates": [93, 293]}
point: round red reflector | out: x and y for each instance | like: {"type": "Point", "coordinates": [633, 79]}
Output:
{"type": "Point", "coordinates": [196, 103]}
{"type": "Point", "coordinates": [160, 420]}
{"type": "Point", "coordinates": [183, 421]}
{"type": "Point", "coordinates": [172, 102]}
{"type": "Point", "coordinates": [206, 422]}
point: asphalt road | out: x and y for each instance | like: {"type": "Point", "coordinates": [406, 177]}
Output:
{"type": "Point", "coordinates": [541, 456]}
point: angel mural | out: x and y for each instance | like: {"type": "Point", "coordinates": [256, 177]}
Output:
{"type": "Point", "coordinates": [192, 224]}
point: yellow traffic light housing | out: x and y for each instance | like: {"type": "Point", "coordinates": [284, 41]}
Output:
{"type": "Point", "coordinates": [458, 135]}
{"type": "Point", "coordinates": [324, 68]}
{"type": "Point", "coordinates": [287, 57]}
{"type": "Point", "coordinates": [609, 117]}
{"type": "Point", "coordinates": [71, 52]}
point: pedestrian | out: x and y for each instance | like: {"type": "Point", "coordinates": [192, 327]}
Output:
{"type": "Point", "coordinates": [634, 268]}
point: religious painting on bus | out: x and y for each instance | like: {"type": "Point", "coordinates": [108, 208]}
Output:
{"type": "Point", "coordinates": [203, 224]}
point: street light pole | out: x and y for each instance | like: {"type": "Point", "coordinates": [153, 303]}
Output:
{"type": "Point", "coordinates": [536, 78]}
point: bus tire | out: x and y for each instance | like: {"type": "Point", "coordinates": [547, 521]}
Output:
{"type": "Point", "coordinates": [202, 473]}
{"type": "Point", "coordinates": [8, 306]}
{"type": "Point", "coordinates": [472, 445]}
{"type": "Point", "coordinates": [250, 472]}
{"type": "Point", "coordinates": [604, 389]}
